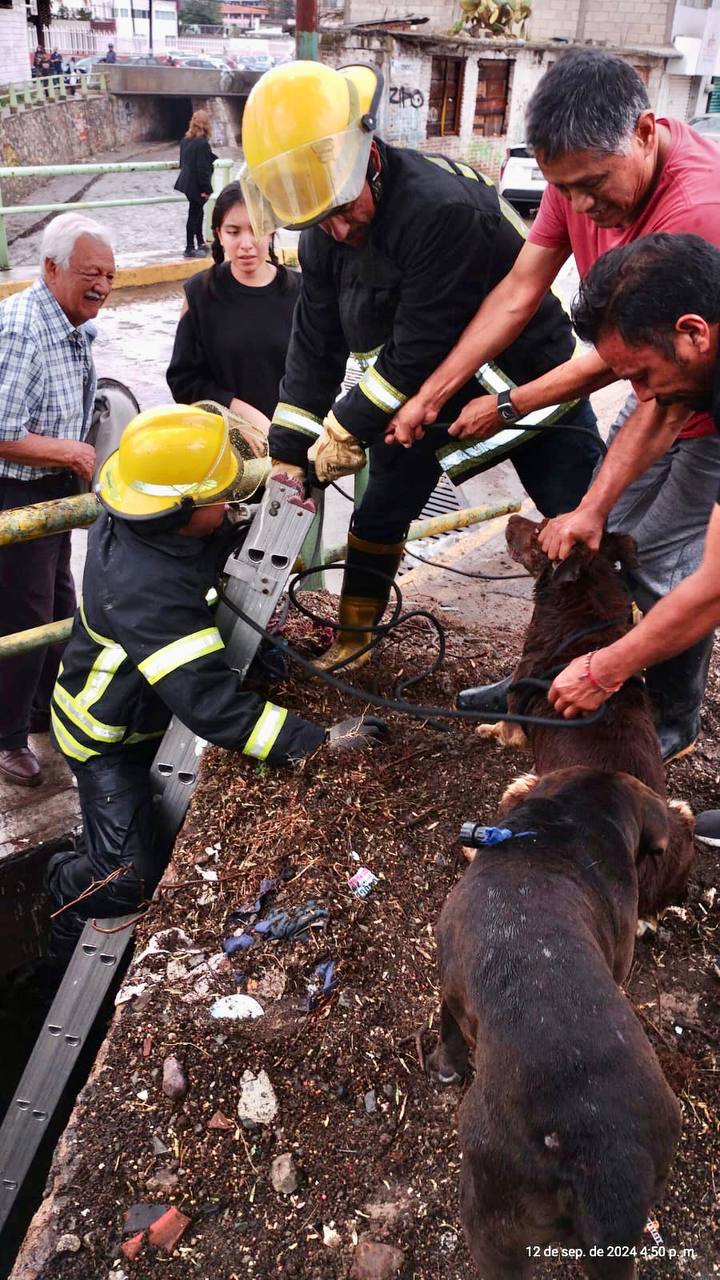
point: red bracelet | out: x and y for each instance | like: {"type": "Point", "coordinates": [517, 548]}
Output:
{"type": "Point", "coordinates": [588, 675]}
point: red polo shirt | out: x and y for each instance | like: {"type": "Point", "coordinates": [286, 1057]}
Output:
{"type": "Point", "coordinates": [685, 198]}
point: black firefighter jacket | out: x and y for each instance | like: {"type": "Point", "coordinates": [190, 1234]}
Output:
{"type": "Point", "coordinates": [438, 243]}
{"type": "Point", "coordinates": [144, 645]}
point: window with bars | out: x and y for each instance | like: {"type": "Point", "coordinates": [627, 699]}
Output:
{"type": "Point", "coordinates": [445, 102]}
{"type": "Point", "coordinates": [491, 102]}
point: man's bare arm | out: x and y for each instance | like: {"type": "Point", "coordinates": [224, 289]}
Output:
{"type": "Point", "coordinates": [646, 435]}
{"type": "Point", "coordinates": [34, 450]}
{"type": "Point", "coordinates": [569, 381]}
{"type": "Point", "coordinates": [503, 315]}
{"type": "Point", "coordinates": [676, 622]}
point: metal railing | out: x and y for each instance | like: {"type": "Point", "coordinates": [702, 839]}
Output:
{"type": "Point", "coordinates": [43, 518]}
{"type": "Point", "coordinates": [41, 90]}
{"type": "Point", "coordinates": [222, 169]}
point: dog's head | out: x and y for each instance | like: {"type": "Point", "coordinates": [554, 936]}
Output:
{"type": "Point", "coordinates": [521, 535]}
{"type": "Point", "coordinates": [663, 879]}
{"type": "Point", "coordinates": [580, 793]}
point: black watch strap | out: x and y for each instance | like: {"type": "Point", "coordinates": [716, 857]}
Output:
{"type": "Point", "coordinates": [506, 409]}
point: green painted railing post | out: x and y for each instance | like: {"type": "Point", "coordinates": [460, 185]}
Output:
{"type": "Point", "coordinates": [83, 87]}
{"type": "Point", "coordinates": [12, 97]}
{"type": "Point", "coordinates": [4, 260]}
{"type": "Point", "coordinates": [222, 171]}
{"type": "Point", "coordinates": [27, 94]}
{"type": "Point", "coordinates": [50, 89]}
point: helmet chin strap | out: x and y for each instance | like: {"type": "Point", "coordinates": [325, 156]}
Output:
{"type": "Point", "coordinates": [374, 174]}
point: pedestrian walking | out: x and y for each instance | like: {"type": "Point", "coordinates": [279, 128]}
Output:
{"type": "Point", "coordinates": [195, 180]}
{"type": "Point", "coordinates": [56, 64]}
{"type": "Point", "coordinates": [234, 328]}
{"type": "Point", "coordinates": [614, 175]}
{"type": "Point", "coordinates": [71, 77]}
{"type": "Point", "coordinates": [111, 55]}
{"type": "Point", "coordinates": [47, 389]}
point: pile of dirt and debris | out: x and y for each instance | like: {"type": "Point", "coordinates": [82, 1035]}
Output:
{"type": "Point", "coordinates": [261, 1108]}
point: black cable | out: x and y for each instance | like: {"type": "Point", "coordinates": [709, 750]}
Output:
{"type": "Point", "coordinates": [396, 704]}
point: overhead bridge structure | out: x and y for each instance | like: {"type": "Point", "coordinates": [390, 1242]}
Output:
{"type": "Point", "coordinates": [162, 81]}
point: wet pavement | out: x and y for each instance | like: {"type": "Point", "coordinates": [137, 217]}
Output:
{"type": "Point", "coordinates": [142, 235]}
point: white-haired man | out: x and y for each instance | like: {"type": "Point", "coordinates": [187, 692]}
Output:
{"type": "Point", "coordinates": [47, 388]}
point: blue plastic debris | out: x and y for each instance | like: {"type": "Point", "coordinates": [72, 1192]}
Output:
{"type": "Point", "coordinates": [289, 926]}
{"type": "Point", "coordinates": [321, 984]}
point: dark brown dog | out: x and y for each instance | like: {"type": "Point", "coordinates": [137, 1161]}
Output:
{"type": "Point", "coordinates": [569, 1127]}
{"type": "Point", "coordinates": [582, 604]}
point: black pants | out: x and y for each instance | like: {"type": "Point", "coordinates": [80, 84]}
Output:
{"type": "Point", "coordinates": [36, 587]}
{"type": "Point", "coordinates": [119, 832]}
{"type": "Point", "coordinates": [194, 225]}
{"type": "Point", "coordinates": [555, 469]}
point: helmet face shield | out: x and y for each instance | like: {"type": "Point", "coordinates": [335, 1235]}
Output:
{"type": "Point", "coordinates": [301, 187]}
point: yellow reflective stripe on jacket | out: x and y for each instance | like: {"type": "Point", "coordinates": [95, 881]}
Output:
{"type": "Point", "coordinates": [365, 358]}
{"type": "Point", "coordinates": [91, 727]}
{"type": "Point", "coordinates": [67, 744]}
{"type": "Point", "coordinates": [494, 380]}
{"type": "Point", "coordinates": [264, 735]}
{"type": "Point", "coordinates": [179, 652]}
{"type": "Point", "coordinates": [289, 415]}
{"type": "Point", "coordinates": [143, 737]}
{"type": "Point", "coordinates": [381, 392]}
{"type": "Point", "coordinates": [94, 635]}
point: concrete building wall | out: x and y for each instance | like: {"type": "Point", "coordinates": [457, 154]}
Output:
{"type": "Point", "coordinates": [614, 22]}
{"type": "Point", "coordinates": [407, 68]}
{"type": "Point", "coordinates": [14, 56]}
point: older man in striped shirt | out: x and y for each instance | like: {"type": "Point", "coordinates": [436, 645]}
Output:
{"type": "Point", "coordinates": [47, 389]}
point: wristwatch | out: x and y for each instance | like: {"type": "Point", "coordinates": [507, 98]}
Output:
{"type": "Point", "coordinates": [506, 409]}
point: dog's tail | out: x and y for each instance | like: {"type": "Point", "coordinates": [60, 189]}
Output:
{"type": "Point", "coordinates": [609, 1201]}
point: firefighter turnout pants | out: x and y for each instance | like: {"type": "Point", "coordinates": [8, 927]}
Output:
{"type": "Point", "coordinates": [119, 839]}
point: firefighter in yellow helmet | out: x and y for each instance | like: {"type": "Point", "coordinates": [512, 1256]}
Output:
{"type": "Point", "coordinates": [398, 250]}
{"type": "Point", "coordinates": [144, 646]}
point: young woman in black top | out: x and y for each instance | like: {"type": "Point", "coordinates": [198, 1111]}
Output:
{"type": "Point", "coordinates": [235, 324]}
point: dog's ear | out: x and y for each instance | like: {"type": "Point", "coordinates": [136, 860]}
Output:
{"type": "Point", "coordinates": [518, 791]}
{"type": "Point", "coordinates": [573, 567]}
{"type": "Point", "coordinates": [621, 547]}
{"type": "Point", "coordinates": [652, 811]}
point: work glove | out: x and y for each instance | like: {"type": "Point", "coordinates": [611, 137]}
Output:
{"type": "Point", "coordinates": [356, 733]}
{"type": "Point", "coordinates": [335, 453]}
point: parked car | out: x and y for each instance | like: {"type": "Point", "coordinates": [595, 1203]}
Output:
{"type": "Point", "coordinates": [258, 62]}
{"type": "Point", "coordinates": [708, 126]}
{"type": "Point", "coordinates": [91, 67]}
{"type": "Point", "coordinates": [521, 181]}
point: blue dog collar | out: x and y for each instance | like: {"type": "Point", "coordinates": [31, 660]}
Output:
{"type": "Point", "coordinates": [471, 833]}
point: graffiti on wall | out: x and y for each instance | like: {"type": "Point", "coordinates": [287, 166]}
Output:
{"type": "Point", "coordinates": [402, 96]}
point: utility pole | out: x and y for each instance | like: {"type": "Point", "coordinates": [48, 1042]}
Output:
{"type": "Point", "coordinates": [306, 32]}
{"type": "Point", "coordinates": [150, 20]}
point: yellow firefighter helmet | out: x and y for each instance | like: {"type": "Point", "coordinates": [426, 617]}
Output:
{"type": "Point", "coordinates": [306, 135]}
{"type": "Point", "coordinates": [166, 456]}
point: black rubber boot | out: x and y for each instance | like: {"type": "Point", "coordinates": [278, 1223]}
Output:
{"type": "Point", "coordinates": [363, 598]}
{"type": "Point", "coordinates": [485, 697]}
{"type": "Point", "coordinates": [677, 689]}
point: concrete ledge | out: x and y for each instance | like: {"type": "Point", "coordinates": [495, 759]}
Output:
{"type": "Point", "coordinates": [146, 274]}
{"type": "Point", "coordinates": [130, 277]}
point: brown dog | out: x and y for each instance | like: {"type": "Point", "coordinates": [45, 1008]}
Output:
{"type": "Point", "coordinates": [569, 1127]}
{"type": "Point", "coordinates": [581, 604]}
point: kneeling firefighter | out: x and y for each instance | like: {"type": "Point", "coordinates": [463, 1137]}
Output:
{"type": "Point", "coordinates": [144, 646]}
{"type": "Point", "coordinates": [398, 250]}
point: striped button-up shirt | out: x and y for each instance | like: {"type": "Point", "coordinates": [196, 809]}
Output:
{"type": "Point", "coordinates": [47, 375]}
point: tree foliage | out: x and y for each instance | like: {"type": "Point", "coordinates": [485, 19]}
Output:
{"type": "Point", "coordinates": [199, 13]}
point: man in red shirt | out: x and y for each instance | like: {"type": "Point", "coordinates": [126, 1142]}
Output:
{"type": "Point", "coordinates": [615, 173]}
